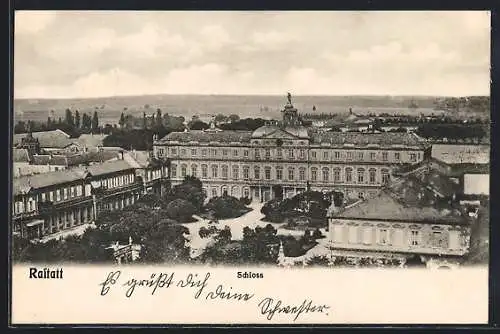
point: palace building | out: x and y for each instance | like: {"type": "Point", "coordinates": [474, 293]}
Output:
{"type": "Point", "coordinates": [284, 157]}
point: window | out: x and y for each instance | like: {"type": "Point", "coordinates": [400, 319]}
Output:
{"type": "Point", "coordinates": [235, 153]}
{"type": "Point", "coordinates": [245, 153]}
{"type": "Point", "coordinates": [183, 170]}
{"type": "Point", "coordinates": [193, 152]}
{"type": "Point", "coordinates": [257, 153]}
{"type": "Point", "coordinates": [204, 171]}
{"type": "Point", "coordinates": [246, 172]}
{"type": "Point", "coordinates": [326, 173]}
{"type": "Point", "coordinates": [290, 153]}
{"type": "Point", "coordinates": [291, 173]}
{"type": "Point", "coordinates": [246, 193]}
{"type": "Point", "coordinates": [336, 175]}
{"type": "Point", "coordinates": [160, 153]}
{"type": "Point", "coordinates": [183, 152]}
{"type": "Point", "coordinates": [353, 234]}
{"type": "Point", "coordinates": [214, 192]}
{"type": "Point", "coordinates": [383, 236]}
{"type": "Point", "coordinates": [385, 176]}
{"type": "Point", "coordinates": [314, 174]}
{"type": "Point", "coordinates": [349, 155]}
{"type": "Point", "coordinates": [360, 155]}
{"type": "Point", "coordinates": [268, 153]}
{"type": "Point", "coordinates": [204, 152]}
{"type": "Point", "coordinates": [437, 240]}
{"type": "Point", "coordinates": [361, 195]}
{"type": "Point", "coordinates": [414, 238]}
{"type": "Point", "coordinates": [372, 156]}
{"type": "Point", "coordinates": [279, 173]}
{"type": "Point", "coordinates": [302, 154]}
{"type": "Point", "coordinates": [367, 235]}
{"type": "Point", "coordinates": [361, 175]}
{"type": "Point", "coordinates": [215, 171]}
{"type": "Point", "coordinates": [173, 151]}
{"type": "Point", "coordinates": [224, 171]}
{"type": "Point", "coordinates": [325, 155]}
{"type": "Point", "coordinates": [236, 172]}
{"type": "Point", "coordinates": [313, 154]}
{"type": "Point", "coordinates": [224, 152]}
{"type": "Point", "coordinates": [302, 174]}
{"type": "Point", "coordinates": [256, 173]}
{"type": "Point", "coordinates": [267, 173]}
{"type": "Point", "coordinates": [348, 174]}
{"type": "Point", "coordinates": [397, 156]}
{"type": "Point", "coordinates": [372, 175]}
{"type": "Point", "coordinates": [384, 156]}
{"type": "Point", "coordinates": [213, 152]}
{"type": "Point", "coordinates": [413, 157]}
{"type": "Point", "coordinates": [279, 153]}
{"type": "Point", "coordinates": [336, 155]}
{"type": "Point", "coordinates": [418, 156]}
{"type": "Point", "coordinates": [194, 170]}
{"type": "Point", "coordinates": [173, 170]}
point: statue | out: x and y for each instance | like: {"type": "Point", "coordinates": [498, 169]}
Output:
{"type": "Point", "coordinates": [289, 96]}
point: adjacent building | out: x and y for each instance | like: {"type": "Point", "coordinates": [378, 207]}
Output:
{"type": "Point", "coordinates": [283, 158]}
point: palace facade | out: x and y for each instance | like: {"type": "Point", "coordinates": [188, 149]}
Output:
{"type": "Point", "coordinates": [283, 158]}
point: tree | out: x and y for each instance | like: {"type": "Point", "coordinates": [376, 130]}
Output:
{"type": "Point", "coordinates": [95, 122]}
{"type": "Point", "coordinates": [158, 118]}
{"type": "Point", "coordinates": [122, 120]}
{"type": "Point", "coordinates": [165, 243]}
{"type": "Point", "coordinates": [77, 119]}
{"type": "Point", "coordinates": [190, 190]}
{"type": "Point", "coordinates": [234, 118]}
{"type": "Point", "coordinates": [220, 118]}
{"type": "Point", "coordinates": [180, 209]}
{"type": "Point", "coordinates": [69, 118]}
{"type": "Point", "coordinates": [198, 125]}
{"type": "Point", "coordinates": [318, 261]}
{"type": "Point", "coordinates": [226, 207]}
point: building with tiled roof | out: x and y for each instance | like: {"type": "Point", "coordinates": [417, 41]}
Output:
{"type": "Point", "coordinates": [54, 139]}
{"type": "Point", "coordinates": [44, 204]}
{"type": "Point", "coordinates": [284, 157]}
{"type": "Point", "coordinates": [388, 223]}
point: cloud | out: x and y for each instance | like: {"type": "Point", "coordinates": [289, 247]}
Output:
{"type": "Point", "coordinates": [271, 39]}
{"type": "Point", "coordinates": [32, 22]}
{"type": "Point", "coordinates": [214, 37]}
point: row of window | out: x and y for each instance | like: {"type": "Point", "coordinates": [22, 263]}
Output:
{"type": "Point", "coordinates": [289, 154]}
{"type": "Point", "coordinates": [325, 173]}
{"type": "Point", "coordinates": [117, 181]}
{"type": "Point", "coordinates": [383, 236]}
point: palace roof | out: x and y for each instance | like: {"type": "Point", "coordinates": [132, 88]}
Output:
{"type": "Point", "coordinates": [382, 139]}
{"type": "Point", "coordinates": [268, 130]}
{"type": "Point", "coordinates": [225, 136]}
{"type": "Point", "coordinates": [47, 159]}
{"type": "Point", "coordinates": [386, 206]}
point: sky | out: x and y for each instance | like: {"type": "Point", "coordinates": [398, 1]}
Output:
{"type": "Point", "coordinates": [70, 54]}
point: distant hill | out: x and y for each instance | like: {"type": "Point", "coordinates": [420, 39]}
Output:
{"type": "Point", "coordinates": [110, 108]}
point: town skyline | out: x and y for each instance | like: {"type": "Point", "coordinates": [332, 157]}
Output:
{"type": "Point", "coordinates": [104, 54]}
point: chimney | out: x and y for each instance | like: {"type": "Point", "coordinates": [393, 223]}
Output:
{"type": "Point", "coordinates": [121, 155]}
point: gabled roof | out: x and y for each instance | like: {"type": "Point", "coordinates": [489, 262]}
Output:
{"type": "Point", "coordinates": [274, 131]}
{"type": "Point", "coordinates": [21, 155]}
{"type": "Point", "coordinates": [47, 159]}
{"type": "Point", "coordinates": [109, 167]}
{"type": "Point", "coordinates": [89, 157]}
{"type": "Point", "coordinates": [49, 139]}
{"type": "Point", "coordinates": [90, 140]}
{"type": "Point", "coordinates": [383, 139]}
{"type": "Point", "coordinates": [386, 206]}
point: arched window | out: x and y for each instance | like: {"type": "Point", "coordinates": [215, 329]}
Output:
{"type": "Point", "coordinates": [326, 174]}
{"type": "Point", "coordinates": [246, 192]}
{"type": "Point", "coordinates": [279, 173]}
{"type": "Point", "coordinates": [348, 174]}
{"type": "Point", "coordinates": [204, 171]}
{"type": "Point", "coordinates": [314, 174]}
{"type": "Point", "coordinates": [372, 175]}
{"type": "Point", "coordinates": [183, 170]}
{"type": "Point", "coordinates": [246, 172]}
{"type": "Point", "coordinates": [385, 176]}
{"type": "Point", "coordinates": [361, 175]}
{"type": "Point", "coordinates": [224, 171]}
{"type": "Point", "coordinates": [267, 172]}
{"type": "Point", "coordinates": [194, 170]}
{"type": "Point", "coordinates": [257, 172]}
{"type": "Point", "coordinates": [236, 172]}
{"type": "Point", "coordinates": [336, 175]}
{"type": "Point", "coordinates": [302, 173]}
{"type": "Point", "coordinates": [215, 171]}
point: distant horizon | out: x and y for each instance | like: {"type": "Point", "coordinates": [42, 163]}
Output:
{"type": "Point", "coordinates": [248, 94]}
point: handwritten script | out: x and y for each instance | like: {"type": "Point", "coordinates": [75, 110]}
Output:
{"type": "Point", "coordinates": [204, 289]}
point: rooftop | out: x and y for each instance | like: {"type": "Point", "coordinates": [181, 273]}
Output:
{"type": "Point", "coordinates": [50, 139]}
{"type": "Point", "coordinates": [225, 136]}
{"type": "Point", "coordinates": [90, 140]}
{"type": "Point", "coordinates": [21, 155]}
{"type": "Point", "coordinates": [47, 159]}
{"type": "Point", "coordinates": [387, 206]}
{"type": "Point", "coordinates": [363, 139]}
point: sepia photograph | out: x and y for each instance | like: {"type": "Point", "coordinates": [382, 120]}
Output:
{"type": "Point", "coordinates": [263, 151]}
